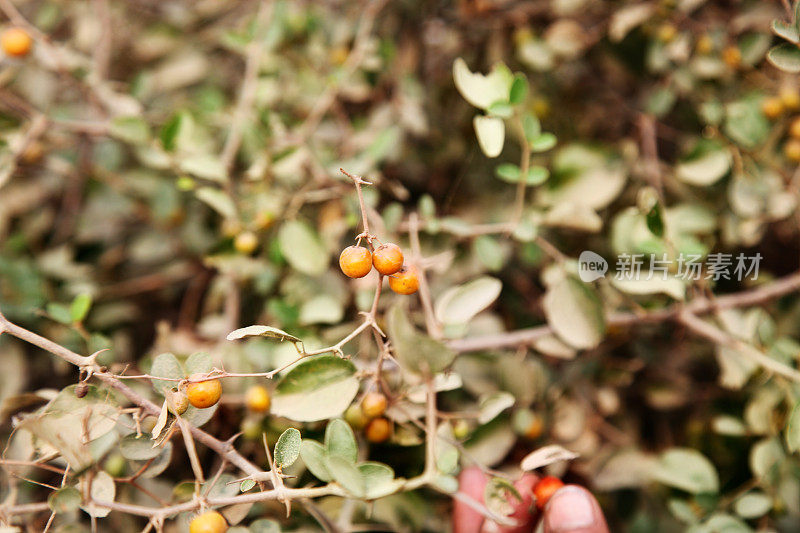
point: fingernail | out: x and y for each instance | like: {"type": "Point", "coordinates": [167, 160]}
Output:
{"type": "Point", "coordinates": [570, 508]}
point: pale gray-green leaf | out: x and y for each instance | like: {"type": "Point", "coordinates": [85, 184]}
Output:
{"type": "Point", "coordinates": [688, 470]}
{"type": "Point", "coordinates": [575, 313]}
{"type": "Point", "coordinates": [340, 440]}
{"type": "Point", "coordinates": [316, 389]}
{"type": "Point", "coordinates": [314, 457]}
{"type": "Point", "coordinates": [458, 305]}
{"type": "Point", "coordinates": [346, 474]}
{"type": "Point", "coordinates": [491, 133]}
{"type": "Point", "coordinates": [302, 248]}
{"type": "Point", "coordinates": [287, 449]}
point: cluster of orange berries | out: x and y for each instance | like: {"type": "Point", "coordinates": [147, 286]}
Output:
{"type": "Point", "coordinates": [357, 261]}
{"type": "Point", "coordinates": [369, 417]}
{"type": "Point", "coordinates": [16, 42]}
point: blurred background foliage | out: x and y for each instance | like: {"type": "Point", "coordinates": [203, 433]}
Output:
{"type": "Point", "coordinates": [151, 201]}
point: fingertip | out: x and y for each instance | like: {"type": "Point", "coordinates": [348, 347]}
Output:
{"type": "Point", "coordinates": [573, 509]}
{"type": "Point", "coordinates": [472, 482]}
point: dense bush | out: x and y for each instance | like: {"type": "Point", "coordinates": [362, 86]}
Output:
{"type": "Point", "coordinates": [595, 203]}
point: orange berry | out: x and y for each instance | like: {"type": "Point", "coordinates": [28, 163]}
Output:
{"type": "Point", "coordinates": [732, 56]}
{"type": "Point", "coordinates": [378, 430]}
{"type": "Point", "coordinates": [772, 107]}
{"type": "Point", "coordinates": [790, 97]}
{"type": "Point", "coordinates": [544, 490]}
{"type": "Point", "coordinates": [203, 394]}
{"type": "Point", "coordinates": [387, 259]}
{"type": "Point", "coordinates": [16, 42]}
{"type": "Point", "coordinates": [528, 424]}
{"type": "Point", "coordinates": [208, 522]}
{"type": "Point", "coordinates": [355, 417]}
{"type": "Point", "coordinates": [792, 150]}
{"type": "Point", "coordinates": [794, 128]}
{"type": "Point", "coordinates": [405, 281]}
{"type": "Point", "coordinates": [257, 399]}
{"type": "Point", "coordinates": [355, 261]}
{"type": "Point", "coordinates": [373, 405]}
{"type": "Point", "coordinates": [704, 45]}
{"type": "Point", "coordinates": [246, 242]}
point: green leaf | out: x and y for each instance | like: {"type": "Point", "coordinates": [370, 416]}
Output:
{"type": "Point", "coordinates": [263, 331]}
{"type": "Point", "coordinates": [500, 496]}
{"type": "Point", "coordinates": [246, 485]}
{"type": "Point", "coordinates": [416, 352]}
{"type": "Point", "coordinates": [166, 365]}
{"type": "Point", "coordinates": [346, 474]}
{"type": "Point", "coordinates": [793, 430]}
{"type": "Point", "coordinates": [287, 449]}
{"type": "Point", "coordinates": [575, 313]}
{"type": "Point", "coordinates": [64, 500]}
{"type": "Point", "coordinates": [205, 166]}
{"type": "Point", "coordinates": [786, 57]}
{"type": "Point", "coordinates": [753, 504]}
{"type": "Point", "coordinates": [199, 363]}
{"type": "Point", "coordinates": [378, 479]}
{"type": "Point", "coordinates": [501, 110]}
{"type": "Point", "coordinates": [60, 313]}
{"type": "Point", "coordinates": [170, 130]}
{"type": "Point", "coordinates": [491, 134]}
{"type": "Point", "coordinates": [519, 89]}
{"type": "Point", "coordinates": [671, 286]}
{"type": "Point", "coordinates": [302, 248]}
{"type": "Point", "coordinates": [479, 90]}
{"type": "Point", "coordinates": [265, 525]}
{"type": "Point", "coordinates": [543, 142]}
{"type": "Point", "coordinates": [317, 388]}
{"type": "Point", "coordinates": [218, 200]}
{"type": "Point", "coordinates": [493, 404]}
{"type": "Point", "coordinates": [102, 489]}
{"type": "Point", "coordinates": [705, 169]}
{"type": "Point", "coordinates": [138, 448]}
{"type": "Point", "coordinates": [745, 123]}
{"type": "Point", "coordinates": [314, 457]}
{"type": "Point", "coordinates": [531, 127]}
{"type": "Point", "coordinates": [133, 130]}
{"type": "Point", "coordinates": [458, 305]}
{"type": "Point", "coordinates": [655, 220]}
{"type": "Point", "coordinates": [786, 31]}
{"type": "Point", "coordinates": [688, 470]}
{"type": "Point", "coordinates": [340, 440]}
{"type": "Point", "coordinates": [80, 307]}
{"type": "Point", "coordinates": [510, 173]}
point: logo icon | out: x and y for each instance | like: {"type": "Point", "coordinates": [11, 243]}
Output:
{"type": "Point", "coordinates": [591, 266]}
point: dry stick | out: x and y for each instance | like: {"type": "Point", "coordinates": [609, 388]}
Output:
{"type": "Point", "coordinates": [524, 165]}
{"type": "Point", "coordinates": [247, 92]}
{"type": "Point", "coordinates": [720, 337]}
{"type": "Point", "coordinates": [433, 327]}
{"type": "Point", "coordinates": [188, 442]}
{"type": "Point", "coordinates": [761, 294]}
{"type": "Point", "coordinates": [102, 52]}
{"type": "Point", "coordinates": [88, 364]}
{"type": "Point", "coordinates": [349, 66]}
{"type": "Point", "coordinates": [358, 181]}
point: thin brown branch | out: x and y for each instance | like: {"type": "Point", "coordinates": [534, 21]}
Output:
{"type": "Point", "coordinates": [763, 293]}
{"type": "Point", "coordinates": [431, 324]}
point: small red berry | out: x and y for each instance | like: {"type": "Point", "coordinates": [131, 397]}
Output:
{"type": "Point", "coordinates": [544, 490]}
